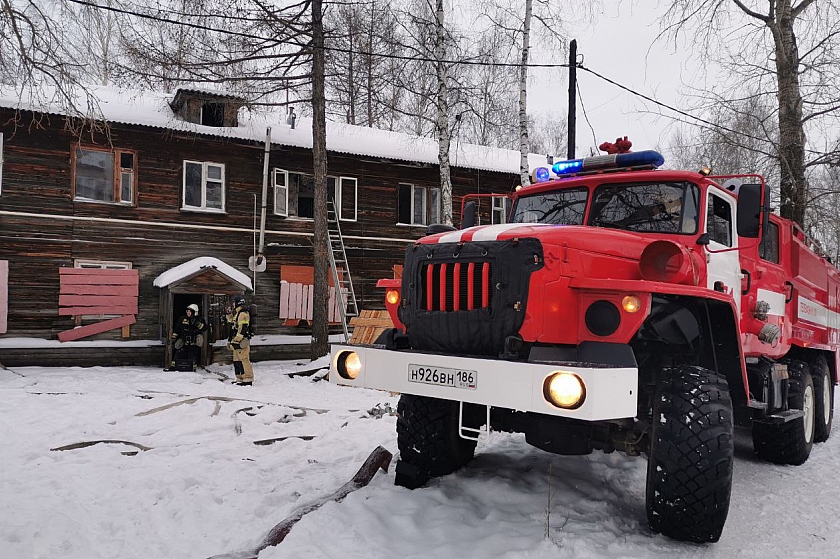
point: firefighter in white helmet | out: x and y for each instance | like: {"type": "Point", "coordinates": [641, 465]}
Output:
{"type": "Point", "coordinates": [188, 335]}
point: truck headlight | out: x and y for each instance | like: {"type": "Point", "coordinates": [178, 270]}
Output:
{"type": "Point", "coordinates": [564, 390]}
{"type": "Point", "coordinates": [348, 364]}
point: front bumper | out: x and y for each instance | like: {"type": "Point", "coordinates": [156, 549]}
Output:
{"type": "Point", "coordinates": [610, 391]}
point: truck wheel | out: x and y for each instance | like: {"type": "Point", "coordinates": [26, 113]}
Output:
{"type": "Point", "coordinates": [823, 399]}
{"type": "Point", "coordinates": [689, 475]}
{"type": "Point", "coordinates": [427, 436]}
{"type": "Point", "coordinates": [790, 442]}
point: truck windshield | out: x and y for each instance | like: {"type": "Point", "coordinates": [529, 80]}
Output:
{"type": "Point", "coordinates": [561, 207]}
{"type": "Point", "coordinates": [659, 207]}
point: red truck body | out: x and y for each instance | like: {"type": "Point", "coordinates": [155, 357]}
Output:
{"type": "Point", "coordinates": [591, 321]}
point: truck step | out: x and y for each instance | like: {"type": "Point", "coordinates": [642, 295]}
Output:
{"type": "Point", "coordinates": [783, 417]}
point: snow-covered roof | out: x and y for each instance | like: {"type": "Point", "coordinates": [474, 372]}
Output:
{"type": "Point", "coordinates": [152, 109]}
{"type": "Point", "coordinates": [195, 265]}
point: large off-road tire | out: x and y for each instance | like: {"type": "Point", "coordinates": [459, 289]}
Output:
{"type": "Point", "coordinates": [689, 475]}
{"type": "Point", "coordinates": [427, 436]}
{"type": "Point", "coordinates": [823, 399]}
{"type": "Point", "coordinates": [790, 442]}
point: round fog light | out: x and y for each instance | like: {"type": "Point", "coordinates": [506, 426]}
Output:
{"type": "Point", "coordinates": [631, 304]}
{"type": "Point", "coordinates": [348, 364]}
{"type": "Point", "coordinates": [564, 390]}
{"type": "Point", "coordinates": [392, 297]}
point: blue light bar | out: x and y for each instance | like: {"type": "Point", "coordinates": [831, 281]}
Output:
{"type": "Point", "coordinates": [647, 158]}
{"type": "Point", "coordinates": [567, 167]}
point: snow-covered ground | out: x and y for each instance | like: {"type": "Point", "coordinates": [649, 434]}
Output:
{"type": "Point", "coordinates": [204, 488]}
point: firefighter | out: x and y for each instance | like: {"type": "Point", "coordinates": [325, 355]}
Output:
{"type": "Point", "coordinates": [239, 342]}
{"type": "Point", "coordinates": [188, 336]}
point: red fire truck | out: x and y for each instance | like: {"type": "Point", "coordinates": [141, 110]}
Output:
{"type": "Point", "coordinates": [621, 307]}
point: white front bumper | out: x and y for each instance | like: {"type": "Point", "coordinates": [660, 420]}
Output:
{"type": "Point", "coordinates": [610, 392]}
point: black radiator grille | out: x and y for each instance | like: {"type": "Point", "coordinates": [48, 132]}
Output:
{"type": "Point", "coordinates": [456, 286]}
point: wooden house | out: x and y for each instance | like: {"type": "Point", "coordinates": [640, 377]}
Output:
{"type": "Point", "coordinates": [159, 181]}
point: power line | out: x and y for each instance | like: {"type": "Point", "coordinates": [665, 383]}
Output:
{"type": "Point", "coordinates": [669, 107]}
{"type": "Point", "coordinates": [708, 123]}
{"type": "Point", "coordinates": [333, 49]}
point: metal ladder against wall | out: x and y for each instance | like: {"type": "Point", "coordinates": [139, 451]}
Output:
{"type": "Point", "coordinates": [341, 278]}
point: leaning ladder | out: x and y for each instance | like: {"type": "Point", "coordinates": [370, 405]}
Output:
{"type": "Point", "coordinates": [341, 277]}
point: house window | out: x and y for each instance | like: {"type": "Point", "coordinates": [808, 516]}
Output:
{"type": "Point", "coordinates": [719, 220]}
{"type": "Point", "coordinates": [204, 186]}
{"type": "Point", "coordinates": [281, 192]}
{"type": "Point", "coordinates": [104, 175]}
{"type": "Point", "coordinates": [500, 209]}
{"type": "Point", "coordinates": [418, 205]}
{"type": "Point", "coordinates": [100, 265]}
{"type": "Point", "coordinates": [344, 190]}
{"type": "Point", "coordinates": [213, 114]}
{"type": "Point", "coordinates": [294, 195]}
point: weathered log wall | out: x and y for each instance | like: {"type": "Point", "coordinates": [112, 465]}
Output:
{"type": "Point", "coordinates": [42, 228]}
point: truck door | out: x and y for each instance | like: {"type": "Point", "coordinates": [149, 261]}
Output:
{"type": "Point", "coordinates": [724, 268]}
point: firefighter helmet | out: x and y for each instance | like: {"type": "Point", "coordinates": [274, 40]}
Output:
{"type": "Point", "coordinates": [238, 301]}
{"type": "Point", "coordinates": [194, 308]}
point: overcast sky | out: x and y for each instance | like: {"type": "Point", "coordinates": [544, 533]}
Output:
{"type": "Point", "coordinates": [618, 45]}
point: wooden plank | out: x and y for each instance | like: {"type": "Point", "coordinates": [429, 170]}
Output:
{"type": "Point", "coordinates": [309, 300]}
{"type": "Point", "coordinates": [98, 328]}
{"type": "Point", "coordinates": [100, 272]}
{"type": "Point", "coordinates": [75, 311]}
{"type": "Point", "coordinates": [95, 300]}
{"type": "Point", "coordinates": [126, 331]}
{"type": "Point", "coordinates": [294, 300]}
{"type": "Point", "coordinates": [92, 289]}
{"type": "Point", "coordinates": [358, 321]}
{"type": "Point", "coordinates": [332, 310]}
{"type": "Point", "coordinates": [369, 325]}
{"type": "Point", "coordinates": [92, 280]}
{"type": "Point", "coordinates": [284, 300]}
{"type": "Point", "coordinates": [4, 295]}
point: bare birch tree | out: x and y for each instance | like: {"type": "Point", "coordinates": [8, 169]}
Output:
{"type": "Point", "coordinates": [791, 42]}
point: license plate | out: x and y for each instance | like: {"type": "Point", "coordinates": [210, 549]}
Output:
{"type": "Point", "coordinates": [441, 376]}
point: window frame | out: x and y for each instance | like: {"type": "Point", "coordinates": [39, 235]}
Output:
{"type": "Point", "coordinates": [285, 187]}
{"type": "Point", "coordinates": [773, 232]}
{"type": "Point", "coordinates": [116, 178]}
{"type": "Point", "coordinates": [428, 211]}
{"type": "Point", "coordinates": [710, 214]}
{"type": "Point", "coordinates": [204, 166]}
{"type": "Point", "coordinates": [503, 211]}
{"type": "Point", "coordinates": [339, 187]}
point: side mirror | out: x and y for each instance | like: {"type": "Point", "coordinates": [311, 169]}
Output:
{"type": "Point", "coordinates": [751, 211]}
{"type": "Point", "coordinates": [468, 217]}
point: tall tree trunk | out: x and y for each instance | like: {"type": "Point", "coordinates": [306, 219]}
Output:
{"type": "Point", "coordinates": [791, 135]}
{"type": "Point", "coordinates": [442, 124]}
{"type": "Point", "coordinates": [524, 148]}
{"type": "Point", "coordinates": [320, 338]}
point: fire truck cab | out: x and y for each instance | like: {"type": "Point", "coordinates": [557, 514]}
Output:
{"type": "Point", "coordinates": [622, 307]}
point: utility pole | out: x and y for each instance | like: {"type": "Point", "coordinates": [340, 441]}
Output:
{"type": "Point", "coordinates": [570, 150]}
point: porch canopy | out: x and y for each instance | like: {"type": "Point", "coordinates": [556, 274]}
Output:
{"type": "Point", "coordinates": [213, 267]}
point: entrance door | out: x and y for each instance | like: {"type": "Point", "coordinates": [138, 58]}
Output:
{"type": "Point", "coordinates": [180, 301]}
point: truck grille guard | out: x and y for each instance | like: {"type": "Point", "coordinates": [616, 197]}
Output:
{"type": "Point", "coordinates": [467, 298]}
